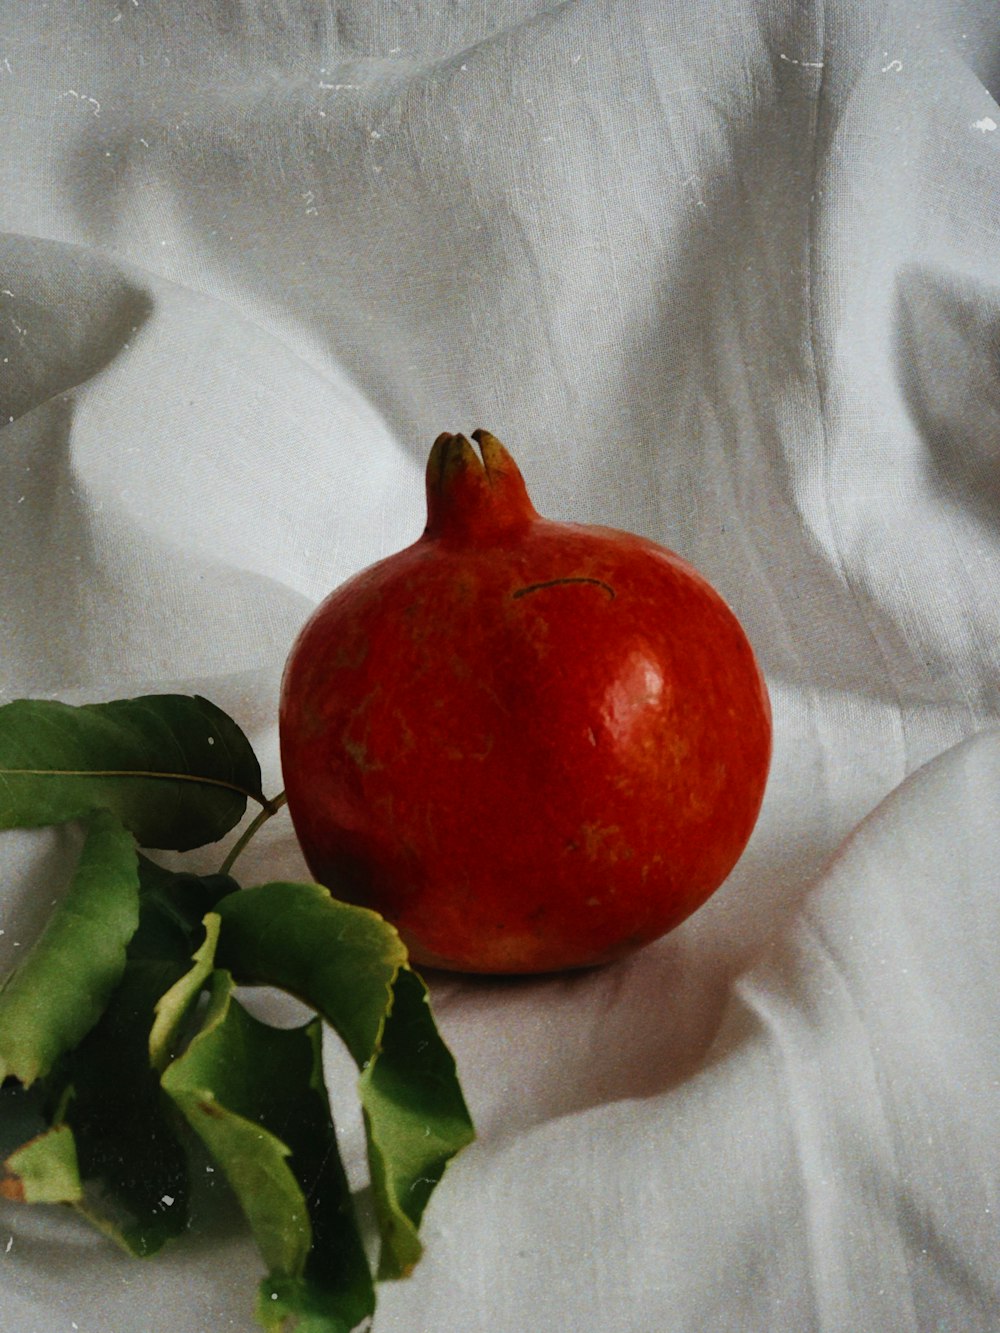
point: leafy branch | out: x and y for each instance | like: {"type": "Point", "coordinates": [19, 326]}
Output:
{"type": "Point", "coordinates": [123, 1044]}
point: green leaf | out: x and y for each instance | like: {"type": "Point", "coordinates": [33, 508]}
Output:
{"type": "Point", "coordinates": [174, 1006]}
{"type": "Point", "coordinates": [60, 989]}
{"type": "Point", "coordinates": [350, 965]}
{"type": "Point", "coordinates": [22, 1115]}
{"type": "Point", "coordinates": [305, 1306]}
{"type": "Point", "coordinates": [44, 1170]}
{"type": "Point", "coordinates": [335, 1292]}
{"type": "Point", "coordinates": [175, 769]}
{"type": "Point", "coordinates": [226, 1085]}
{"type": "Point", "coordinates": [255, 1096]}
{"type": "Point", "coordinates": [173, 904]}
{"type": "Point", "coordinates": [132, 1163]}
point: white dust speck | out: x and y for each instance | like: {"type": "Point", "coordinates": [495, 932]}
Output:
{"type": "Point", "coordinates": [94, 104]}
{"type": "Point", "coordinates": [893, 67]}
{"type": "Point", "coordinates": [211, 740]}
{"type": "Point", "coordinates": [168, 1199]}
{"type": "Point", "coordinates": [9, 1246]}
{"type": "Point", "coordinates": [210, 1170]}
{"type": "Point", "coordinates": [6, 65]}
{"type": "Point", "coordinates": [803, 64]}
{"type": "Point", "coordinates": [985, 126]}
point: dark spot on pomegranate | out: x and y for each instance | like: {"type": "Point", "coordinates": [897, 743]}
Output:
{"type": "Point", "coordinates": [560, 583]}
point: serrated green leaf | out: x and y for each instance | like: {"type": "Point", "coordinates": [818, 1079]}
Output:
{"type": "Point", "coordinates": [175, 769]}
{"type": "Point", "coordinates": [61, 987]}
{"type": "Point", "coordinates": [255, 1096]}
{"type": "Point", "coordinates": [43, 1170]}
{"type": "Point", "coordinates": [350, 966]}
{"type": "Point", "coordinates": [341, 959]}
{"type": "Point", "coordinates": [416, 1119]}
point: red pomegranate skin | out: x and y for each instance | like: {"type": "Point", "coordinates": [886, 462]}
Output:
{"type": "Point", "coordinates": [529, 745]}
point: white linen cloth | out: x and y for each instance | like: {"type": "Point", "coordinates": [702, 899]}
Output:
{"type": "Point", "coordinates": [727, 275]}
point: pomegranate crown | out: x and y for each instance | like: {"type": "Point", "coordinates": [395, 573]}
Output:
{"type": "Point", "coordinates": [469, 496]}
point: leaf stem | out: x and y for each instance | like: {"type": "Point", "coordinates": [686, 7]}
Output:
{"type": "Point", "coordinates": [271, 807]}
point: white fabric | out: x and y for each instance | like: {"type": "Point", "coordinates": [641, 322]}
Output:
{"type": "Point", "coordinates": [725, 274]}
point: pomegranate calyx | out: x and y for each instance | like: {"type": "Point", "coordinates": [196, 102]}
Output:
{"type": "Point", "coordinates": [469, 497]}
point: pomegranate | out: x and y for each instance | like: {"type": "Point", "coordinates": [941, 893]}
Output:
{"type": "Point", "coordinates": [530, 745]}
